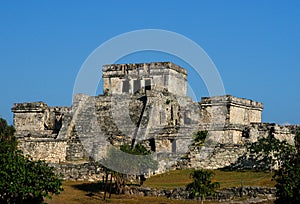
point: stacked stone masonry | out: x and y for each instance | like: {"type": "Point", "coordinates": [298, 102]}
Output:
{"type": "Point", "coordinates": [253, 194]}
{"type": "Point", "coordinates": [144, 103]}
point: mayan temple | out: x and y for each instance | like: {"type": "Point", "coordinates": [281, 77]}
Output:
{"type": "Point", "coordinates": [146, 104]}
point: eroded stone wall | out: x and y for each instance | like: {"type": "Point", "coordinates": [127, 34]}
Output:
{"type": "Point", "coordinates": [37, 118]}
{"type": "Point", "coordinates": [225, 110]}
{"type": "Point", "coordinates": [29, 116]}
{"type": "Point", "coordinates": [281, 132]}
{"type": "Point", "coordinates": [248, 194]}
{"type": "Point", "coordinates": [132, 78]}
{"type": "Point", "coordinates": [53, 151]}
{"type": "Point", "coordinates": [89, 171]}
{"type": "Point", "coordinates": [234, 156]}
{"type": "Point", "coordinates": [143, 103]}
{"type": "Point", "coordinates": [211, 156]}
{"type": "Point", "coordinates": [226, 117]}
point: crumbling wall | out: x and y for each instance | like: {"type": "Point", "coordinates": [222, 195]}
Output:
{"type": "Point", "coordinates": [243, 111]}
{"type": "Point", "coordinates": [226, 117]}
{"type": "Point", "coordinates": [37, 118]}
{"type": "Point", "coordinates": [281, 132]}
{"type": "Point", "coordinates": [230, 155]}
{"type": "Point", "coordinates": [37, 126]}
{"type": "Point", "coordinates": [229, 110]}
{"type": "Point", "coordinates": [51, 150]}
{"type": "Point", "coordinates": [30, 116]}
{"type": "Point", "coordinates": [87, 171]}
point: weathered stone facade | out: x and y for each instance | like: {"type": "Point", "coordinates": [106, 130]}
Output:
{"type": "Point", "coordinates": [143, 103]}
{"type": "Point", "coordinates": [130, 78]}
{"type": "Point", "coordinates": [88, 171]}
{"type": "Point", "coordinates": [37, 127]}
{"type": "Point", "coordinates": [226, 117]}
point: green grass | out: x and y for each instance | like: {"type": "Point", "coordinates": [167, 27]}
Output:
{"type": "Point", "coordinates": [229, 179]}
{"type": "Point", "coordinates": [87, 192]}
{"type": "Point", "coordinates": [181, 178]}
{"type": "Point", "coordinates": [169, 180]}
{"type": "Point", "coordinates": [76, 192]}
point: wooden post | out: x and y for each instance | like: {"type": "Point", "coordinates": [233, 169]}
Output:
{"type": "Point", "coordinates": [111, 175]}
{"type": "Point", "coordinates": [106, 178]}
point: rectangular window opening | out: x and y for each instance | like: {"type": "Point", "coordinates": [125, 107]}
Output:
{"type": "Point", "coordinates": [126, 86]}
{"type": "Point", "coordinates": [148, 84]}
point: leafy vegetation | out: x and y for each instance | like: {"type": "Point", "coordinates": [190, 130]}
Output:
{"type": "Point", "coordinates": [202, 185]}
{"type": "Point", "coordinates": [131, 161]}
{"type": "Point", "coordinates": [21, 179]}
{"type": "Point", "coordinates": [168, 101]}
{"type": "Point", "coordinates": [271, 152]}
{"type": "Point", "coordinates": [199, 137]}
{"type": "Point", "coordinates": [288, 175]}
{"type": "Point", "coordinates": [124, 166]}
{"type": "Point", "coordinates": [7, 138]}
{"type": "Point", "coordinates": [286, 157]}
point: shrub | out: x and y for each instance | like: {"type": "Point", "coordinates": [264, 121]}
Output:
{"type": "Point", "coordinates": [7, 134]}
{"type": "Point", "coordinates": [287, 177]}
{"type": "Point", "coordinates": [199, 137]}
{"type": "Point", "coordinates": [270, 151]}
{"type": "Point", "coordinates": [21, 179]}
{"type": "Point", "coordinates": [123, 163]}
{"type": "Point", "coordinates": [202, 186]}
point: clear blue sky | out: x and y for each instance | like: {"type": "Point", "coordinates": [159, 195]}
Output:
{"type": "Point", "coordinates": [254, 44]}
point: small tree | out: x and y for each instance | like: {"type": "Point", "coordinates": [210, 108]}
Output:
{"type": "Point", "coordinates": [21, 179]}
{"type": "Point", "coordinates": [270, 151]}
{"type": "Point", "coordinates": [288, 182]}
{"type": "Point", "coordinates": [287, 177]}
{"type": "Point", "coordinates": [202, 186]}
{"type": "Point", "coordinates": [7, 134]}
{"type": "Point", "coordinates": [124, 159]}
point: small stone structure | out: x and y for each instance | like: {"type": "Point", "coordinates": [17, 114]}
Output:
{"type": "Point", "coordinates": [143, 103]}
{"type": "Point", "coordinates": [130, 78]}
{"type": "Point", "coordinates": [227, 116]}
{"type": "Point", "coordinates": [37, 127]}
